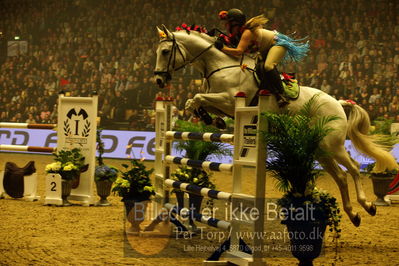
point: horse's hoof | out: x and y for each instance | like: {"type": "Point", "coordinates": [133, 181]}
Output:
{"type": "Point", "coordinates": [204, 116]}
{"type": "Point", "coordinates": [372, 210]}
{"type": "Point", "coordinates": [219, 123]}
{"type": "Point", "coordinates": [356, 220]}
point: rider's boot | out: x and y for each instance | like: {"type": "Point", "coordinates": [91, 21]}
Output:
{"type": "Point", "coordinates": [274, 84]}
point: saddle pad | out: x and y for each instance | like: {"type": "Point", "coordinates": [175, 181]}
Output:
{"type": "Point", "coordinates": [291, 89]}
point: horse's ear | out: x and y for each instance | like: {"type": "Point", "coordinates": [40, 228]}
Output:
{"type": "Point", "coordinates": [161, 33]}
{"type": "Point", "coordinates": [167, 32]}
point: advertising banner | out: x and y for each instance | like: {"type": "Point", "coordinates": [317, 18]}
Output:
{"type": "Point", "coordinates": [126, 144]}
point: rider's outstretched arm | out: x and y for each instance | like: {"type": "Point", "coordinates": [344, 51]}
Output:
{"type": "Point", "coordinates": [242, 46]}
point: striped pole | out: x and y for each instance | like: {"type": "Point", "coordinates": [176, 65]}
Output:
{"type": "Point", "coordinates": [206, 165]}
{"type": "Point", "coordinates": [26, 125]}
{"type": "Point", "coordinates": [26, 148]}
{"type": "Point", "coordinates": [210, 193]}
{"type": "Point", "coordinates": [200, 218]}
{"type": "Point", "coordinates": [209, 137]}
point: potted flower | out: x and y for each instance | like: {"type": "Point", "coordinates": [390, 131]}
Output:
{"type": "Point", "coordinates": [104, 175]}
{"type": "Point", "coordinates": [382, 178]}
{"type": "Point", "coordinates": [196, 177]}
{"type": "Point", "coordinates": [135, 188]}
{"type": "Point", "coordinates": [196, 150]}
{"type": "Point", "coordinates": [68, 164]}
{"type": "Point", "coordinates": [292, 161]}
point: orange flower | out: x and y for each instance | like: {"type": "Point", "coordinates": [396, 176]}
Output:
{"type": "Point", "coordinates": [223, 14]}
{"type": "Point", "coordinates": [162, 34]}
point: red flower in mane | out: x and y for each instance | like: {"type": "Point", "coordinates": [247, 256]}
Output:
{"type": "Point", "coordinates": [351, 102]}
{"type": "Point", "coordinates": [286, 76]}
{"type": "Point", "coordinates": [191, 28]}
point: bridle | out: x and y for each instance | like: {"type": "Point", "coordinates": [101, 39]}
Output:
{"type": "Point", "coordinates": [172, 58]}
{"type": "Point", "coordinates": [172, 61]}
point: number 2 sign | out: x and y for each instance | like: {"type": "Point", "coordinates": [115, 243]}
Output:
{"type": "Point", "coordinates": [53, 190]}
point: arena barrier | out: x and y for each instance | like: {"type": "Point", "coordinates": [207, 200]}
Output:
{"type": "Point", "coordinates": [249, 151]}
{"type": "Point", "coordinates": [76, 128]}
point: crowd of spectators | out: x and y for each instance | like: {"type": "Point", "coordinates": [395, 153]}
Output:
{"type": "Point", "coordinates": [108, 46]}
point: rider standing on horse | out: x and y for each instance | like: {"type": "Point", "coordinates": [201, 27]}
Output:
{"type": "Point", "coordinates": [272, 46]}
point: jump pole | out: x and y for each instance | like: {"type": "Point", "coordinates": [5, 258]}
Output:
{"type": "Point", "coordinates": [27, 125]}
{"type": "Point", "coordinates": [5, 147]}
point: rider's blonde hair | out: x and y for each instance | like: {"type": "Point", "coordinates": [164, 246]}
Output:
{"type": "Point", "coordinates": [256, 22]}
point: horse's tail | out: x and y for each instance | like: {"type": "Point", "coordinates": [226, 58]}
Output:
{"type": "Point", "coordinates": [358, 129]}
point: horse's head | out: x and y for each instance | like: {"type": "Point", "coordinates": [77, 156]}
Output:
{"type": "Point", "coordinates": [170, 57]}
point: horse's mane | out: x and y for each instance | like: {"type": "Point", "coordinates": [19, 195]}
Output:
{"type": "Point", "coordinates": [204, 36]}
{"type": "Point", "coordinates": [210, 40]}
{"type": "Point", "coordinates": [197, 30]}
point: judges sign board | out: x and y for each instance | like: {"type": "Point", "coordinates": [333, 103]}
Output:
{"type": "Point", "coordinates": [76, 128]}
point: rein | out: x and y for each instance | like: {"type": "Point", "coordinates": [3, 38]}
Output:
{"type": "Point", "coordinates": [195, 58]}
{"type": "Point", "coordinates": [226, 67]}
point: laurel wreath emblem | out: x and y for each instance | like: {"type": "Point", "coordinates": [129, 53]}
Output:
{"type": "Point", "coordinates": [86, 129]}
{"type": "Point", "coordinates": [67, 128]}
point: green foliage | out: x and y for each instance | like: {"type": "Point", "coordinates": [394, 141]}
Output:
{"type": "Point", "coordinates": [103, 172]}
{"type": "Point", "coordinates": [382, 133]}
{"type": "Point", "coordinates": [134, 182]}
{"type": "Point", "coordinates": [382, 126]}
{"type": "Point", "coordinates": [293, 141]}
{"type": "Point", "coordinates": [325, 207]}
{"type": "Point", "coordinates": [100, 147]}
{"type": "Point", "coordinates": [193, 176]}
{"type": "Point", "coordinates": [229, 123]}
{"type": "Point", "coordinates": [75, 156]}
{"type": "Point", "coordinates": [68, 163]}
{"type": "Point", "coordinates": [199, 150]}
{"type": "Point", "coordinates": [388, 173]}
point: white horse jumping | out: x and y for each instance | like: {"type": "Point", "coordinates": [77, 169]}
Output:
{"type": "Point", "coordinates": [224, 76]}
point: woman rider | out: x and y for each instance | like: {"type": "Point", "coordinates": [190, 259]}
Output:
{"type": "Point", "coordinates": [273, 46]}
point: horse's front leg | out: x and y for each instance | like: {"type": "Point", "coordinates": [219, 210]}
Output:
{"type": "Point", "coordinates": [216, 103]}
